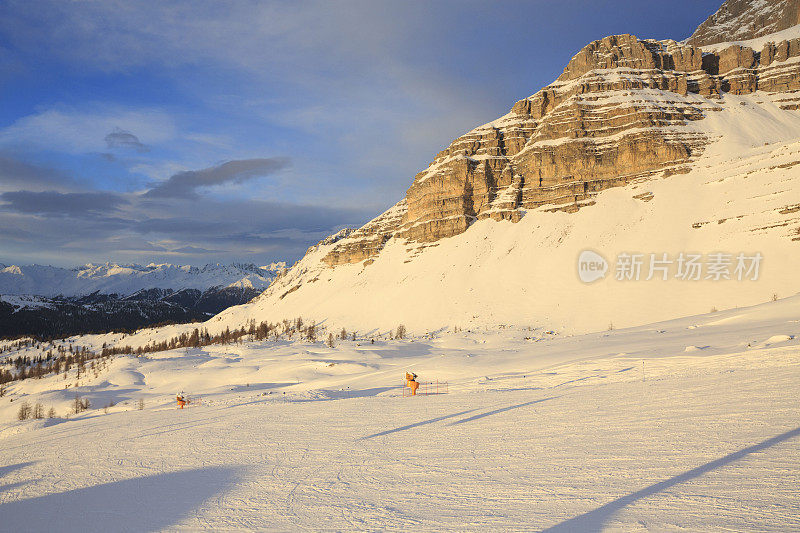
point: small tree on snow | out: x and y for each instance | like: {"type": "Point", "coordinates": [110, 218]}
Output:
{"type": "Point", "coordinates": [401, 332]}
{"type": "Point", "coordinates": [80, 404]}
{"type": "Point", "coordinates": [24, 411]}
{"type": "Point", "coordinates": [330, 340]}
{"type": "Point", "coordinates": [38, 411]}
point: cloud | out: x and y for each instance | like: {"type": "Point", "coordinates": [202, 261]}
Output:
{"type": "Point", "coordinates": [16, 173]}
{"type": "Point", "coordinates": [185, 184]}
{"type": "Point", "coordinates": [52, 203]}
{"type": "Point", "coordinates": [15, 234]}
{"type": "Point", "coordinates": [133, 244]}
{"type": "Point", "coordinates": [120, 138]}
{"type": "Point", "coordinates": [195, 250]}
{"type": "Point", "coordinates": [78, 131]}
{"type": "Point", "coordinates": [73, 228]}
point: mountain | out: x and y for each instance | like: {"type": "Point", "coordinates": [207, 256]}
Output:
{"type": "Point", "coordinates": [639, 146]}
{"type": "Point", "coordinates": [747, 19]}
{"type": "Point", "coordinates": [49, 302]}
{"type": "Point", "coordinates": [660, 150]}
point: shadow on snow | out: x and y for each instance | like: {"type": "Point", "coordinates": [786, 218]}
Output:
{"type": "Point", "coordinates": [454, 415]}
{"type": "Point", "coordinates": [417, 424]}
{"type": "Point", "coordinates": [595, 520]}
{"type": "Point", "coordinates": [498, 411]}
{"type": "Point", "coordinates": [140, 504]}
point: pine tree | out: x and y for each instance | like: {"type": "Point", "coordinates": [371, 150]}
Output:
{"type": "Point", "coordinates": [77, 404]}
{"type": "Point", "coordinates": [24, 411]}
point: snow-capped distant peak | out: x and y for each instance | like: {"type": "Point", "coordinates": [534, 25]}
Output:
{"type": "Point", "coordinates": [113, 278]}
{"type": "Point", "coordinates": [243, 283]}
{"type": "Point", "coordinates": [274, 267]}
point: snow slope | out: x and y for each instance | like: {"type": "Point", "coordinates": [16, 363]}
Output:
{"type": "Point", "coordinates": [111, 278]}
{"type": "Point", "coordinates": [689, 424]}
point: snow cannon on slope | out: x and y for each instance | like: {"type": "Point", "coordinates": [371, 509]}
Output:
{"type": "Point", "coordinates": [425, 388]}
{"type": "Point", "coordinates": [412, 383]}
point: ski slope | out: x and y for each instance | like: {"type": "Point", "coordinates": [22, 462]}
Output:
{"type": "Point", "coordinates": [688, 424]}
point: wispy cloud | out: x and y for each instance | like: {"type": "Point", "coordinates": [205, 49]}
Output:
{"type": "Point", "coordinates": [195, 250]}
{"type": "Point", "coordinates": [87, 130]}
{"type": "Point", "coordinates": [185, 184]}
{"type": "Point", "coordinates": [120, 138]}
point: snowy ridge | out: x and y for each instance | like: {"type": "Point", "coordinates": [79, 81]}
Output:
{"type": "Point", "coordinates": [25, 301]}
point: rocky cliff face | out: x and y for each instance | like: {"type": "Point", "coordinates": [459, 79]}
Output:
{"type": "Point", "coordinates": [739, 20]}
{"type": "Point", "coordinates": [621, 111]}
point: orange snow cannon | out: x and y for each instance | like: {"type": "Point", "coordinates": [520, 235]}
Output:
{"type": "Point", "coordinates": [181, 402]}
{"type": "Point", "coordinates": [412, 383]}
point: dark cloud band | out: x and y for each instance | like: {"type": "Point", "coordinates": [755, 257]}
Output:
{"type": "Point", "coordinates": [185, 184]}
{"type": "Point", "coordinates": [52, 203]}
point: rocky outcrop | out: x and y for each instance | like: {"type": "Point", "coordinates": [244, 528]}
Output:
{"type": "Point", "coordinates": [363, 243]}
{"type": "Point", "coordinates": [620, 111]}
{"type": "Point", "coordinates": [740, 20]}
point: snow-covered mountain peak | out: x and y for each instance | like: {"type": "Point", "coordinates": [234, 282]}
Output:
{"type": "Point", "coordinates": [274, 267]}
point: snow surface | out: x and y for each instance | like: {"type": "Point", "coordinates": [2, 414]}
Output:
{"type": "Point", "coordinates": [623, 430]}
{"type": "Point", "coordinates": [111, 278]}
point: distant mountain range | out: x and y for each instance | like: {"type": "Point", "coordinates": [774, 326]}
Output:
{"type": "Point", "coordinates": [124, 280]}
{"type": "Point", "coordinates": [48, 301]}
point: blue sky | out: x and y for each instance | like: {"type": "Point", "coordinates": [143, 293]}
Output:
{"type": "Point", "coordinates": [196, 132]}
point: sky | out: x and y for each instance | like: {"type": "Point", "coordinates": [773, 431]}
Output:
{"type": "Point", "coordinates": [216, 132]}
